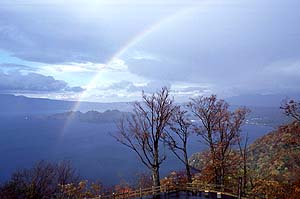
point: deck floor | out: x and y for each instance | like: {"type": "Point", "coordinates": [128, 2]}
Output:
{"type": "Point", "coordinates": [188, 195]}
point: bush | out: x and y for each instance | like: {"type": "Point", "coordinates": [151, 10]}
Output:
{"type": "Point", "coordinates": [42, 181]}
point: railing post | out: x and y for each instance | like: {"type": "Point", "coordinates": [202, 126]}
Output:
{"type": "Point", "coordinates": [206, 193]}
{"type": "Point", "coordinates": [167, 188]}
{"type": "Point", "coordinates": [140, 192]}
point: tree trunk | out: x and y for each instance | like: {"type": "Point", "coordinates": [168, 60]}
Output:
{"type": "Point", "coordinates": [222, 176]}
{"type": "Point", "coordinates": [244, 178]}
{"type": "Point", "coordinates": [155, 176]}
{"type": "Point", "coordinates": [188, 173]}
{"type": "Point", "coordinates": [187, 168]}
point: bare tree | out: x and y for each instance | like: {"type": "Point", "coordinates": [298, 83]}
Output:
{"type": "Point", "coordinates": [40, 181]}
{"type": "Point", "coordinates": [177, 138]}
{"type": "Point", "coordinates": [291, 108]}
{"type": "Point", "coordinates": [220, 130]}
{"type": "Point", "coordinates": [142, 131]}
{"type": "Point", "coordinates": [65, 173]}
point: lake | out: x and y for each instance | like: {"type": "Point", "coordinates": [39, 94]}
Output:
{"type": "Point", "coordinates": [90, 148]}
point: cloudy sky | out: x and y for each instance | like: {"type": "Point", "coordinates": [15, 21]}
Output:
{"type": "Point", "coordinates": [111, 50]}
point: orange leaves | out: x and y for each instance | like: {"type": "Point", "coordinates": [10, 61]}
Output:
{"type": "Point", "coordinates": [82, 190]}
{"type": "Point", "coordinates": [174, 178]}
{"type": "Point", "coordinates": [270, 189]}
{"type": "Point", "coordinates": [220, 129]}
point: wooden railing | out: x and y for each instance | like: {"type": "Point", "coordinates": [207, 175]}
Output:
{"type": "Point", "coordinates": [166, 189]}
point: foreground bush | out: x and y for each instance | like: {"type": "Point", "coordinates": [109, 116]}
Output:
{"type": "Point", "coordinates": [42, 181]}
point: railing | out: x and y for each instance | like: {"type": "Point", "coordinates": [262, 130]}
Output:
{"type": "Point", "coordinates": [165, 189]}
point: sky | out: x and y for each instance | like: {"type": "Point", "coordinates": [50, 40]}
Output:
{"type": "Point", "coordinates": [111, 50]}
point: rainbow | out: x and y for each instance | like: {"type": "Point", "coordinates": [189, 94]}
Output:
{"type": "Point", "coordinates": [132, 42]}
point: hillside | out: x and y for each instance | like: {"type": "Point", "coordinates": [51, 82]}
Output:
{"type": "Point", "coordinates": [275, 156]}
{"type": "Point", "coordinates": [90, 116]}
{"type": "Point", "coordinates": [25, 105]}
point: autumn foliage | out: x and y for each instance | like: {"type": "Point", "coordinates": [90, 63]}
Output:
{"type": "Point", "coordinates": [43, 180]}
{"type": "Point", "coordinates": [219, 128]}
{"type": "Point", "coordinates": [268, 168]}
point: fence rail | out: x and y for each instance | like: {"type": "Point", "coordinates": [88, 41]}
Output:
{"type": "Point", "coordinates": [165, 189]}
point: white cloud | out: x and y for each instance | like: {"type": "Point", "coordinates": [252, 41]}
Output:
{"type": "Point", "coordinates": [87, 67]}
{"type": "Point", "coordinates": [141, 55]}
{"type": "Point", "coordinates": [129, 90]}
{"type": "Point", "coordinates": [116, 64]}
{"type": "Point", "coordinates": [57, 95]}
{"type": "Point", "coordinates": [107, 43]}
{"type": "Point", "coordinates": [74, 67]}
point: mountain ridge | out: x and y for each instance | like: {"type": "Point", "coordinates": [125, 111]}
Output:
{"type": "Point", "coordinates": [21, 104]}
{"type": "Point", "coordinates": [89, 116]}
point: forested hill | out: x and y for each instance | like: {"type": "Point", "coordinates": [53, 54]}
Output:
{"type": "Point", "coordinates": [20, 104]}
{"type": "Point", "coordinates": [90, 116]}
{"type": "Point", "coordinates": [275, 156]}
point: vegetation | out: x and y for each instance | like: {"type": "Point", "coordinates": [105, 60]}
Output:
{"type": "Point", "coordinates": [268, 168]}
{"type": "Point", "coordinates": [271, 164]}
{"type": "Point", "coordinates": [291, 108]}
{"type": "Point", "coordinates": [43, 180]}
{"type": "Point", "coordinates": [220, 130]}
{"type": "Point", "coordinates": [177, 138]}
{"type": "Point", "coordinates": [274, 160]}
{"type": "Point", "coordinates": [143, 130]}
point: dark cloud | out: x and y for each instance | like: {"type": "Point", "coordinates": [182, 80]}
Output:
{"type": "Point", "coordinates": [76, 89]}
{"type": "Point", "coordinates": [50, 36]}
{"type": "Point", "coordinates": [230, 45]}
{"type": "Point", "coordinates": [15, 67]}
{"type": "Point", "coordinates": [57, 32]}
{"type": "Point", "coordinates": [33, 82]}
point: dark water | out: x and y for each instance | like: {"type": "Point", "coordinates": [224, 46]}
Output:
{"type": "Point", "coordinates": [90, 148]}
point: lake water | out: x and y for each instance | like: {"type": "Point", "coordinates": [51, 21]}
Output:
{"type": "Point", "coordinates": [90, 148]}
